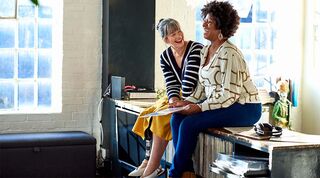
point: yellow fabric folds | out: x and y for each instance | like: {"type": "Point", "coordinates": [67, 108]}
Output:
{"type": "Point", "coordinates": [160, 125]}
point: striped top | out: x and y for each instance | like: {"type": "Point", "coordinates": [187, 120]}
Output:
{"type": "Point", "coordinates": [184, 78]}
{"type": "Point", "coordinates": [224, 80]}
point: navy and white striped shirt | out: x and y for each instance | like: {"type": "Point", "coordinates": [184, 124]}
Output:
{"type": "Point", "coordinates": [184, 78]}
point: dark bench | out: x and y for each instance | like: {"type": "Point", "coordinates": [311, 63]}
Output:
{"type": "Point", "coordinates": [49, 154]}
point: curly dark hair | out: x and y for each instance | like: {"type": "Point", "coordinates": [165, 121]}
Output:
{"type": "Point", "coordinates": [226, 17]}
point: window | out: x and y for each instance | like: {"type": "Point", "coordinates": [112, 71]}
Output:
{"type": "Point", "coordinates": [30, 57]}
{"type": "Point", "coordinates": [8, 9]}
{"type": "Point", "coordinates": [255, 37]}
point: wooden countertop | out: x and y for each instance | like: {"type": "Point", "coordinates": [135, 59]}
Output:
{"type": "Point", "coordinates": [246, 135]}
{"type": "Point", "coordinates": [136, 105]}
{"type": "Point", "coordinates": [288, 139]}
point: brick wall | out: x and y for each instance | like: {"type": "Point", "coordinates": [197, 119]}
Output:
{"type": "Point", "coordinates": [81, 75]}
{"type": "Point", "coordinates": [185, 15]}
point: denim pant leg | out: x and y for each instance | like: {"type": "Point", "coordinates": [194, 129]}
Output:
{"type": "Point", "coordinates": [182, 161]}
{"type": "Point", "coordinates": [190, 126]}
{"type": "Point", "coordinates": [175, 121]}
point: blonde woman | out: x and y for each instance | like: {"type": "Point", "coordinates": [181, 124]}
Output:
{"type": "Point", "coordinates": [180, 64]}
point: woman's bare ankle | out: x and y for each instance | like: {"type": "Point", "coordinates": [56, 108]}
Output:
{"type": "Point", "coordinates": [150, 169]}
{"type": "Point", "coordinates": [144, 163]}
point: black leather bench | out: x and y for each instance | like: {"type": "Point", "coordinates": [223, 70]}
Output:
{"type": "Point", "coordinates": [49, 154]}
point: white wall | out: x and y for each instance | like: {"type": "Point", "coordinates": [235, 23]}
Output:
{"type": "Point", "coordinates": [185, 15]}
{"type": "Point", "coordinates": [81, 77]}
{"type": "Point", "coordinates": [289, 51]}
{"type": "Point", "coordinates": [310, 77]}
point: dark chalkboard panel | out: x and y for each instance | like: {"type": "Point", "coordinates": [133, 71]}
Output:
{"type": "Point", "coordinates": [129, 41]}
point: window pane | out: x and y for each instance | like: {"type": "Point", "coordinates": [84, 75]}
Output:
{"type": "Point", "coordinates": [25, 64]}
{"type": "Point", "coordinates": [248, 59]}
{"type": "Point", "coordinates": [272, 15]}
{"type": "Point", "coordinates": [233, 40]}
{"type": "Point", "coordinates": [7, 8]}
{"type": "Point", "coordinates": [45, 35]}
{"type": "Point", "coordinates": [26, 34]}
{"type": "Point", "coordinates": [44, 94]}
{"type": "Point", "coordinates": [260, 82]}
{"type": "Point", "coordinates": [45, 12]}
{"type": "Point", "coordinates": [25, 95]}
{"type": "Point", "coordinates": [44, 65]}
{"type": "Point", "coordinates": [6, 65]}
{"type": "Point", "coordinates": [262, 64]}
{"type": "Point", "coordinates": [244, 34]}
{"type": "Point", "coordinates": [198, 14]}
{"type": "Point", "coordinates": [6, 95]}
{"type": "Point", "coordinates": [26, 9]}
{"type": "Point", "coordinates": [272, 60]}
{"type": "Point", "coordinates": [273, 38]}
{"type": "Point", "coordinates": [261, 10]}
{"type": "Point", "coordinates": [261, 38]}
{"type": "Point", "coordinates": [247, 19]}
{"type": "Point", "coordinates": [6, 34]}
{"type": "Point", "coordinates": [199, 33]}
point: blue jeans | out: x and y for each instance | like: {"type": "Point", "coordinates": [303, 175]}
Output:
{"type": "Point", "coordinates": [186, 128]}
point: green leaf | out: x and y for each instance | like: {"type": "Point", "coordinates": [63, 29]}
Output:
{"type": "Point", "coordinates": [35, 2]}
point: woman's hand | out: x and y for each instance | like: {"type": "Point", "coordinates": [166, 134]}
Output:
{"type": "Point", "coordinates": [179, 103]}
{"type": "Point", "coordinates": [191, 109]}
{"type": "Point", "coordinates": [173, 99]}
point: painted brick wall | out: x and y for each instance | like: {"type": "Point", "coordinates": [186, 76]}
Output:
{"type": "Point", "coordinates": [81, 75]}
{"type": "Point", "coordinates": [185, 15]}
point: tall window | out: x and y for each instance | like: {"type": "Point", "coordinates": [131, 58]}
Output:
{"type": "Point", "coordinates": [30, 56]}
{"type": "Point", "coordinates": [255, 37]}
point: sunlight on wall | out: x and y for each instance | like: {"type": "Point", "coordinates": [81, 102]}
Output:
{"type": "Point", "coordinates": [289, 50]}
{"type": "Point", "coordinates": [311, 74]}
{"type": "Point", "coordinates": [316, 38]}
{"type": "Point", "coordinates": [289, 39]}
{"type": "Point", "coordinates": [184, 13]}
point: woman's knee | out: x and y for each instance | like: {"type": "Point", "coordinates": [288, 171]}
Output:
{"type": "Point", "coordinates": [188, 125]}
{"type": "Point", "coordinates": [175, 120]}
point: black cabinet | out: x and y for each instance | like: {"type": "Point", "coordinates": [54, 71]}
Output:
{"type": "Point", "coordinates": [131, 147]}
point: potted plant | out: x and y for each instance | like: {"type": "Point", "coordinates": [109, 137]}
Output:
{"type": "Point", "coordinates": [35, 2]}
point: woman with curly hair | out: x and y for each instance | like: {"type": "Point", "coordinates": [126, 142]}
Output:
{"type": "Point", "coordinates": [225, 95]}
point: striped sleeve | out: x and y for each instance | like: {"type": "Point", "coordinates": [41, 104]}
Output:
{"type": "Point", "coordinates": [173, 83]}
{"type": "Point", "coordinates": [190, 69]}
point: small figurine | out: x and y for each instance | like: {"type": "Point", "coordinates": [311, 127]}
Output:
{"type": "Point", "coordinates": [282, 109]}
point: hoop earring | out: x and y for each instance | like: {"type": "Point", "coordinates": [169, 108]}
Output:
{"type": "Point", "coordinates": [220, 36]}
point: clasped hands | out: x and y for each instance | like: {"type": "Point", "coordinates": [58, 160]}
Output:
{"type": "Point", "coordinates": [191, 109]}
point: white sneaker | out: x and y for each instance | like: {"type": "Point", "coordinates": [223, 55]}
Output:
{"type": "Point", "coordinates": [139, 170]}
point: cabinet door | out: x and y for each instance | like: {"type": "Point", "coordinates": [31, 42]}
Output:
{"type": "Point", "coordinates": [131, 147]}
{"type": "Point", "coordinates": [206, 152]}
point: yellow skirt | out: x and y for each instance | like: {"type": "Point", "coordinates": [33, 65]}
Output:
{"type": "Point", "coordinates": [160, 125]}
